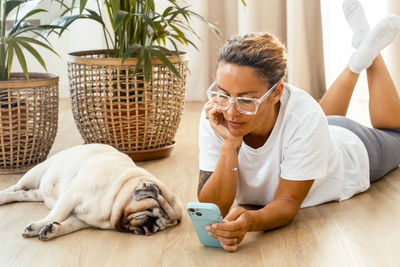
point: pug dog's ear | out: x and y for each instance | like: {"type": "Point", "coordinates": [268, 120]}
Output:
{"type": "Point", "coordinates": [146, 190]}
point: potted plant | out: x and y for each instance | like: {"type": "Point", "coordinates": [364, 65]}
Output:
{"type": "Point", "coordinates": [28, 101]}
{"type": "Point", "coordinates": [132, 95]}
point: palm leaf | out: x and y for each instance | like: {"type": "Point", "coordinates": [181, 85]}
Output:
{"type": "Point", "coordinates": [31, 13]}
{"type": "Point", "coordinates": [146, 18]}
{"type": "Point", "coordinates": [120, 18]}
{"type": "Point", "coordinates": [213, 26]}
{"type": "Point", "coordinates": [139, 30]}
{"type": "Point", "coordinates": [166, 11]}
{"type": "Point", "coordinates": [10, 5]}
{"type": "Point", "coordinates": [147, 64]}
{"type": "Point", "coordinates": [166, 61]}
{"type": "Point", "coordinates": [179, 32]}
{"type": "Point", "coordinates": [94, 16]}
{"type": "Point", "coordinates": [115, 4]}
{"type": "Point", "coordinates": [34, 53]}
{"type": "Point", "coordinates": [174, 44]}
{"type": "Point", "coordinates": [10, 55]}
{"type": "Point", "coordinates": [165, 50]}
{"type": "Point", "coordinates": [66, 22]}
{"type": "Point", "coordinates": [37, 42]}
{"type": "Point", "coordinates": [139, 59]}
{"type": "Point", "coordinates": [21, 59]}
{"type": "Point", "coordinates": [130, 51]}
{"type": "Point", "coordinates": [34, 31]}
{"type": "Point", "coordinates": [82, 5]}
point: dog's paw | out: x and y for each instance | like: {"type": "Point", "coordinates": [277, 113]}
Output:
{"type": "Point", "coordinates": [30, 231]}
{"type": "Point", "coordinates": [49, 231]}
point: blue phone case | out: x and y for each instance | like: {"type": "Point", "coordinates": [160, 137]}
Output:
{"type": "Point", "coordinates": [203, 214]}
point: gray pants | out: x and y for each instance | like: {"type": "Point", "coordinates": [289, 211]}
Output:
{"type": "Point", "coordinates": [383, 146]}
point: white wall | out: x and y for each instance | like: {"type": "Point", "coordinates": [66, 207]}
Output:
{"type": "Point", "coordinates": [82, 35]}
{"type": "Point", "coordinates": [88, 35]}
{"type": "Point", "coordinates": [337, 36]}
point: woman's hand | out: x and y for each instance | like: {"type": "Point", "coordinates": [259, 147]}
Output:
{"type": "Point", "coordinates": [232, 231]}
{"type": "Point", "coordinates": [218, 123]}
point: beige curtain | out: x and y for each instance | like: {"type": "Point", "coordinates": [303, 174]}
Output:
{"type": "Point", "coordinates": [393, 59]}
{"type": "Point", "coordinates": [296, 22]}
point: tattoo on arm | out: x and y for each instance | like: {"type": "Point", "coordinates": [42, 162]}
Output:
{"type": "Point", "coordinates": [203, 177]}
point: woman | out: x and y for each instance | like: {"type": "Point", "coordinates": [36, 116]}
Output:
{"type": "Point", "coordinates": [267, 143]}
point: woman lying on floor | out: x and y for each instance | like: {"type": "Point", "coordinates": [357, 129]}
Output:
{"type": "Point", "coordinates": [264, 142]}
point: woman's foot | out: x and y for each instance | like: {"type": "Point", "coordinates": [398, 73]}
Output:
{"type": "Point", "coordinates": [355, 16]}
{"type": "Point", "coordinates": [377, 39]}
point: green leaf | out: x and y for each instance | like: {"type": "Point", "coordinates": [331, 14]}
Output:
{"type": "Point", "coordinates": [21, 59]}
{"type": "Point", "coordinates": [94, 16]}
{"type": "Point", "coordinates": [146, 18]}
{"type": "Point", "coordinates": [147, 65]}
{"type": "Point", "coordinates": [31, 13]}
{"type": "Point", "coordinates": [179, 32]}
{"type": "Point", "coordinates": [32, 40]}
{"type": "Point", "coordinates": [163, 39]}
{"type": "Point", "coordinates": [140, 59]}
{"type": "Point", "coordinates": [213, 26]}
{"type": "Point", "coordinates": [166, 11]}
{"type": "Point", "coordinates": [130, 51]}
{"type": "Point", "coordinates": [158, 26]}
{"type": "Point", "coordinates": [10, 52]}
{"type": "Point", "coordinates": [137, 26]}
{"type": "Point", "coordinates": [177, 38]}
{"type": "Point", "coordinates": [66, 21]}
{"type": "Point", "coordinates": [166, 61]}
{"type": "Point", "coordinates": [184, 12]}
{"type": "Point", "coordinates": [33, 29]}
{"type": "Point", "coordinates": [10, 5]}
{"type": "Point", "coordinates": [165, 50]}
{"type": "Point", "coordinates": [115, 5]}
{"type": "Point", "coordinates": [120, 18]}
{"type": "Point", "coordinates": [82, 5]}
{"type": "Point", "coordinates": [34, 53]}
{"type": "Point", "coordinates": [174, 44]}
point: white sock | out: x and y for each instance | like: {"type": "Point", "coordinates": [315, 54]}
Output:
{"type": "Point", "coordinates": [355, 16]}
{"type": "Point", "coordinates": [377, 39]}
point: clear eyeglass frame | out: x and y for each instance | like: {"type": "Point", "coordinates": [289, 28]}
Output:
{"type": "Point", "coordinates": [237, 100]}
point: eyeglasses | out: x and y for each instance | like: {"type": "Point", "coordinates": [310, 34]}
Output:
{"type": "Point", "coordinates": [245, 105]}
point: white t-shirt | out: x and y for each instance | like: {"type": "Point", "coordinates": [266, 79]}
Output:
{"type": "Point", "coordinates": [301, 146]}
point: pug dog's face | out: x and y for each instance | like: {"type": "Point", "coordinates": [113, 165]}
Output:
{"type": "Point", "coordinates": [143, 214]}
{"type": "Point", "coordinates": [143, 222]}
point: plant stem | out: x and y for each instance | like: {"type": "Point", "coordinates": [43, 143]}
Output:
{"type": "Point", "coordinates": [3, 18]}
{"type": "Point", "coordinates": [3, 61]}
{"type": "Point", "coordinates": [3, 55]}
{"type": "Point", "coordinates": [104, 28]}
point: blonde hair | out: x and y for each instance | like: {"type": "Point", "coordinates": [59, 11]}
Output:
{"type": "Point", "coordinates": [261, 51]}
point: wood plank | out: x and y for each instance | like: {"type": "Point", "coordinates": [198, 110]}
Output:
{"type": "Point", "coordinates": [362, 231]}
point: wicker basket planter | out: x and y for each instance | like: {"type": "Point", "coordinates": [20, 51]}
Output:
{"type": "Point", "coordinates": [28, 120]}
{"type": "Point", "coordinates": [112, 105]}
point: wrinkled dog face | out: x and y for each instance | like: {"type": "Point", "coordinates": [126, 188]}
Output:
{"type": "Point", "coordinates": [144, 222]}
{"type": "Point", "coordinates": [143, 215]}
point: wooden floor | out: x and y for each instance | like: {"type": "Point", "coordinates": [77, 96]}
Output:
{"type": "Point", "coordinates": [362, 231]}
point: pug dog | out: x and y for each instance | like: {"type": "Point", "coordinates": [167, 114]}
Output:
{"type": "Point", "coordinates": [95, 185]}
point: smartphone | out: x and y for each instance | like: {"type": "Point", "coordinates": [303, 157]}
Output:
{"type": "Point", "coordinates": [203, 214]}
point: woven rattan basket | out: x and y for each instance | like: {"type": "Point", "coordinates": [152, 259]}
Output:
{"type": "Point", "coordinates": [112, 105]}
{"type": "Point", "coordinates": [28, 120]}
